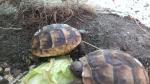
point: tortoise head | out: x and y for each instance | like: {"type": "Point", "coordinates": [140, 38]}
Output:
{"type": "Point", "coordinates": [83, 32]}
{"type": "Point", "coordinates": [77, 68]}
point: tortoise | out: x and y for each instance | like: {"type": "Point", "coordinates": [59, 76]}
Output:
{"type": "Point", "coordinates": [55, 40]}
{"type": "Point", "coordinates": [107, 66]}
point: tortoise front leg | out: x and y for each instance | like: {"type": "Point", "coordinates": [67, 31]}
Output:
{"type": "Point", "coordinates": [78, 52]}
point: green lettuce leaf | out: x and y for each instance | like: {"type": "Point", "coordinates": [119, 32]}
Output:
{"type": "Point", "coordinates": [54, 72]}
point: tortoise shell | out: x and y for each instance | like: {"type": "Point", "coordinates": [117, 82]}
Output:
{"type": "Point", "coordinates": [55, 40]}
{"type": "Point", "coordinates": [112, 67]}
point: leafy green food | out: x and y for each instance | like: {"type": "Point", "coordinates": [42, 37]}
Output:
{"type": "Point", "coordinates": [54, 72]}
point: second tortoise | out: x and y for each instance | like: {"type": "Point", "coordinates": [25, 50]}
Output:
{"type": "Point", "coordinates": [110, 67]}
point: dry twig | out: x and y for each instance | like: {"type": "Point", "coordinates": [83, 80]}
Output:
{"type": "Point", "coordinates": [10, 28]}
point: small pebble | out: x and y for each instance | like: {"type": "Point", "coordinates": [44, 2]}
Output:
{"type": "Point", "coordinates": [1, 71]}
{"type": "Point", "coordinates": [3, 80]}
{"type": "Point", "coordinates": [15, 72]}
{"type": "Point", "coordinates": [4, 65]}
{"type": "Point", "coordinates": [1, 77]}
{"type": "Point", "coordinates": [7, 70]}
{"type": "Point", "coordinates": [32, 66]}
{"type": "Point", "coordinates": [9, 77]}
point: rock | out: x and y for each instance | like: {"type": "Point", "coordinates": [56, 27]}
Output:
{"type": "Point", "coordinates": [32, 66]}
{"type": "Point", "coordinates": [7, 8]}
{"type": "Point", "coordinates": [7, 70]}
{"type": "Point", "coordinates": [9, 77]}
{"type": "Point", "coordinates": [3, 80]}
{"type": "Point", "coordinates": [1, 71]}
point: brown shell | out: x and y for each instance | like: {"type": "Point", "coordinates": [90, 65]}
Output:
{"type": "Point", "coordinates": [113, 67]}
{"type": "Point", "coordinates": [55, 40]}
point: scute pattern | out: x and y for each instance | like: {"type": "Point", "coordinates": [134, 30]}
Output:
{"type": "Point", "coordinates": [58, 37]}
{"type": "Point", "coordinates": [45, 40]}
{"type": "Point", "coordinates": [113, 67]}
{"type": "Point", "coordinates": [55, 40]}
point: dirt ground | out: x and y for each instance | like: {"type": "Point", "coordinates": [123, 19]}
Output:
{"type": "Point", "coordinates": [106, 31]}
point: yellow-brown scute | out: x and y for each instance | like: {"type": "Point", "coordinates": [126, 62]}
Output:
{"type": "Point", "coordinates": [124, 74]}
{"type": "Point", "coordinates": [44, 41]}
{"type": "Point", "coordinates": [58, 37]}
{"type": "Point", "coordinates": [56, 51]}
{"type": "Point", "coordinates": [141, 75]}
{"type": "Point", "coordinates": [35, 43]}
